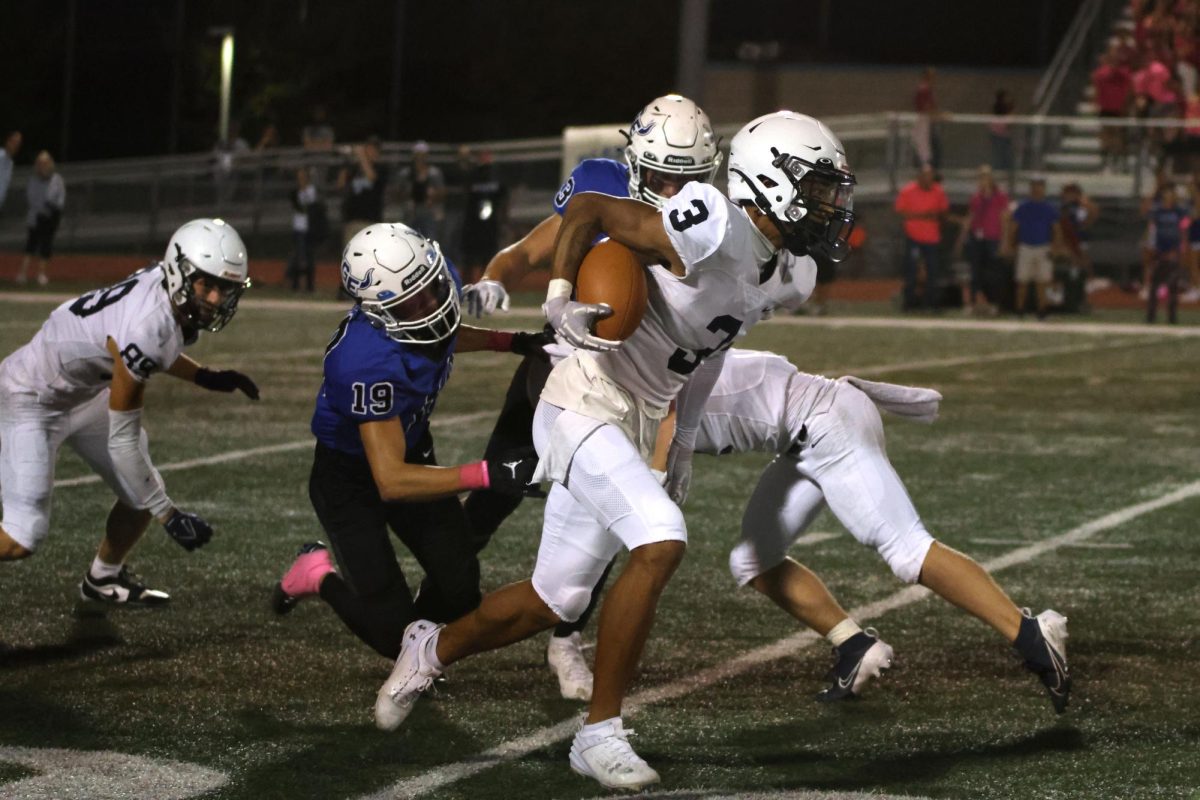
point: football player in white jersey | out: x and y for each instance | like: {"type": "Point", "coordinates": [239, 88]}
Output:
{"type": "Point", "coordinates": [81, 381]}
{"type": "Point", "coordinates": [828, 442]}
{"type": "Point", "coordinates": [596, 422]}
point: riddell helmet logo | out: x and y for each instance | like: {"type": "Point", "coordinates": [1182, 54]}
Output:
{"type": "Point", "coordinates": [684, 161]}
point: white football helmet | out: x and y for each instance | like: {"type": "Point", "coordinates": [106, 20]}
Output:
{"type": "Point", "coordinates": [402, 283]}
{"type": "Point", "coordinates": [208, 249]}
{"type": "Point", "coordinates": [671, 142]}
{"type": "Point", "coordinates": [794, 169]}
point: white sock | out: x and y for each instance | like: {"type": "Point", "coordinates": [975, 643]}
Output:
{"type": "Point", "coordinates": [102, 569]}
{"type": "Point", "coordinates": [431, 651]}
{"type": "Point", "coordinates": [843, 631]}
{"type": "Point", "coordinates": [599, 727]}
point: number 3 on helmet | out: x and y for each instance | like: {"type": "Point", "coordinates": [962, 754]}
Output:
{"type": "Point", "coordinates": [402, 283]}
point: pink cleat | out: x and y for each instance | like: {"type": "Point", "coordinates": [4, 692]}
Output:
{"type": "Point", "coordinates": [303, 578]}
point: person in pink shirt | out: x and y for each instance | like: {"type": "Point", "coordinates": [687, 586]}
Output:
{"type": "Point", "coordinates": [981, 234]}
{"type": "Point", "coordinates": [923, 205]}
{"type": "Point", "coordinates": [1113, 84]}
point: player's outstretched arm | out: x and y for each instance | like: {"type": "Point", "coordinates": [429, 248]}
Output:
{"type": "Point", "coordinates": [400, 481]}
{"type": "Point", "coordinates": [523, 343]}
{"type": "Point", "coordinates": [215, 380]}
{"type": "Point", "coordinates": [141, 482]}
{"type": "Point", "coordinates": [510, 266]}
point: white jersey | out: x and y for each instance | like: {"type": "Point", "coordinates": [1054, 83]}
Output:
{"type": "Point", "coordinates": [759, 403]}
{"type": "Point", "coordinates": [67, 362]}
{"type": "Point", "coordinates": [687, 318]}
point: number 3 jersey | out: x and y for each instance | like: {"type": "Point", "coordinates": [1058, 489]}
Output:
{"type": "Point", "coordinates": [370, 377]}
{"type": "Point", "coordinates": [67, 362]}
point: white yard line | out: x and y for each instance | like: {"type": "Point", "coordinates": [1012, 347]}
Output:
{"type": "Point", "coordinates": [813, 538]}
{"type": "Point", "coordinates": [1090, 545]}
{"type": "Point", "coordinates": [450, 420]}
{"type": "Point", "coordinates": [788, 646]}
{"type": "Point", "coordinates": [1012, 355]}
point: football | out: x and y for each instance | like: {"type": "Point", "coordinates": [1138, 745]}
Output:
{"type": "Point", "coordinates": [612, 274]}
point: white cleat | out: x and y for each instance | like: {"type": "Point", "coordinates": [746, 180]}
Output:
{"type": "Point", "coordinates": [564, 655]}
{"type": "Point", "coordinates": [608, 757]}
{"type": "Point", "coordinates": [411, 676]}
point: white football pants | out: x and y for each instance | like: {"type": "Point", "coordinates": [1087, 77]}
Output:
{"type": "Point", "coordinates": [30, 435]}
{"type": "Point", "coordinates": [842, 462]}
{"type": "Point", "coordinates": [608, 500]}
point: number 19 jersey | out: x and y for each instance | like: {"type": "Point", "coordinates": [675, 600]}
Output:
{"type": "Point", "coordinates": [67, 362]}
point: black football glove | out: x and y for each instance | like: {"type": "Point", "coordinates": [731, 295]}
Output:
{"type": "Point", "coordinates": [226, 380]}
{"type": "Point", "coordinates": [529, 343]}
{"type": "Point", "coordinates": [188, 529]}
{"type": "Point", "coordinates": [512, 473]}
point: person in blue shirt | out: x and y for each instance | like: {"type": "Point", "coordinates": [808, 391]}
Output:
{"type": "Point", "coordinates": [374, 467]}
{"type": "Point", "coordinates": [1033, 226]}
{"type": "Point", "coordinates": [670, 143]}
{"type": "Point", "coordinates": [1170, 230]}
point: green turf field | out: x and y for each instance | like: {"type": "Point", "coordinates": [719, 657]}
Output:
{"type": "Point", "coordinates": [1044, 433]}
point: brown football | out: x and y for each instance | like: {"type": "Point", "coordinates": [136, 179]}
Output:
{"type": "Point", "coordinates": [612, 274]}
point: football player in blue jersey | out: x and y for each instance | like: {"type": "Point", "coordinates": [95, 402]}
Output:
{"type": "Point", "coordinates": [374, 465]}
{"type": "Point", "coordinates": [670, 143]}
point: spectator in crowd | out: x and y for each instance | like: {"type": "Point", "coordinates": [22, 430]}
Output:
{"type": "Point", "coordinates": [226, 153]}
{"type": "Point", "coordinates": [1193, 249]}
{"type": "Point", "coordinates": [1077, 215]}
{"type": "Point", "coordinates": [926, 144]}
{"type": "Point", "coordinates": [459, 176]}
{"type": "Point", "coordinates": [923, 205]}
{"type": "Point", "coordinates": [1113, 85]}
{"type": "Point", "coordinates": [1000, 133]}
{"type": "Point", "coordinates": [268, 139]}
{"type": "Point", "coordinates": [47, 196]}
{"type": "Point", "coordinates": [1169, 222]}
{"type": "Point", "coordinates": [485, 217]}
{"type": "Point", "coordinates": [424, 193]}
{"type": "Point", "coordinates": [318, 135]}
{"type": "Point", "coordinates": [363, 183]}
{"type": "Point", "coordinates": [1032, 230]}
{"type": "Point", "coordinates": [981, 234]}
{"type": "Point", "coordinates": [12, 144]}
{"type": "Point", "coordinates": [310, 226]}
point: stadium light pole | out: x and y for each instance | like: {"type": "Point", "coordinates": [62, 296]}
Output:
{"type": "Point", "coordinates": [226, 35]}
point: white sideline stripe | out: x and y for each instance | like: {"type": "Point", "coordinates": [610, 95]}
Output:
{"type": "Point", "coordinates": [253, 452]}
{"type": "Point", "coordinates": [948, 323]}
{"type": "Point", "coordinates": [1013, 355]}
{"type": "Point", "coordinates": [1090, 545]}
{"type": "Point", "coordinates": [515, 748]}
{"type": "Point", "coordinates": [813, 538]}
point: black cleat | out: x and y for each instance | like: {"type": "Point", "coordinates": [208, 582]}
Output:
{"type": "Point", "coordinates": [1042, 643]}
{"type": "Point", "coordinates": [125, 589]}
{"type": "Point", "coordinates": [859, 659]}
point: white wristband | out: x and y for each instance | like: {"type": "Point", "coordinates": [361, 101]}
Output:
{"type": "Point", "coordinates": [559, 287]}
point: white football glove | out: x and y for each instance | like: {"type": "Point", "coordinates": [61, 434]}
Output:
{"type": "Point", "coordinates": [483, 298]}
{"type": "Point", "coordinates": [573, 321]}
{"type": "Point", "coordinates": [679, 472]}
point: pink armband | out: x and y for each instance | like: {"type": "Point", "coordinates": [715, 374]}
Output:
{"type": "Point", "coordinates": [474, 476]}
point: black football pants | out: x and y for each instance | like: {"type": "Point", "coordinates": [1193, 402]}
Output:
{"type": "Point", "coordinates": [369, 592]}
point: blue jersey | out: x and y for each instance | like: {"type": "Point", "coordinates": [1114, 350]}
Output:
{"type": "Point", "coordinates": [1167, 222]}
{"type": "Point", "coordinates": [371, 377]}
{"type": "Point", "coordinates": [601, 175]}
{"type": "Point", "coordinates": [1035, 222]}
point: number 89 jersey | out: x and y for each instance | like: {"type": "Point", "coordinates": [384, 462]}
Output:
{"type": "Point", "coordinates": [693, 317]}
{"type": "Point", "coordinates": [67, 362]}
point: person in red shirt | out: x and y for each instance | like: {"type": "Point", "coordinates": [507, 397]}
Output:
{"type": "Point", "coordinates": [1113, 83]}
{"type": "Point", "coordinates": [923, 205]}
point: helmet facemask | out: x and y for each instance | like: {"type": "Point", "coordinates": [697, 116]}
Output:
{"type": "Point", "coordinates": [427, 312]}
{"type": "Point", "coordinates": [819, 218]}
{"type": "Point", "coordinates": [189, 306]}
